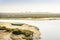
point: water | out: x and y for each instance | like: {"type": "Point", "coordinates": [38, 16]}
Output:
{"type": "Point", "coordinates": [50, 29]}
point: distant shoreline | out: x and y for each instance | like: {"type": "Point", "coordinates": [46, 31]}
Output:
{"type": "Point", "coordinates": [29, 18]}
{"type": "Point", "coordinates": [21, 15]}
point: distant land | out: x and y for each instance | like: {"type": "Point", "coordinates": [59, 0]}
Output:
{"type": "Point", "coordinates": [29, 15]}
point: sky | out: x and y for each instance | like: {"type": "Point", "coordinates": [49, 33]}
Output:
{"type": "Point", "coordinates": [52, 6]}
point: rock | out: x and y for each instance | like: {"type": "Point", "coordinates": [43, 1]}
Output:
{"type": "Point", "coordinates": [18, 31]}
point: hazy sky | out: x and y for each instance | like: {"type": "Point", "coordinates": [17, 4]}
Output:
{"type": "Point", "coordinates": [30, 5]}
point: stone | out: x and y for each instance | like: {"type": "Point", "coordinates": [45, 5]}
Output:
{"type": "Point", "coordinates": [18, 31]}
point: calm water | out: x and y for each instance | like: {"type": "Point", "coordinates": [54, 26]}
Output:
{"type": "Point", "coordinates": [50, 30]}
